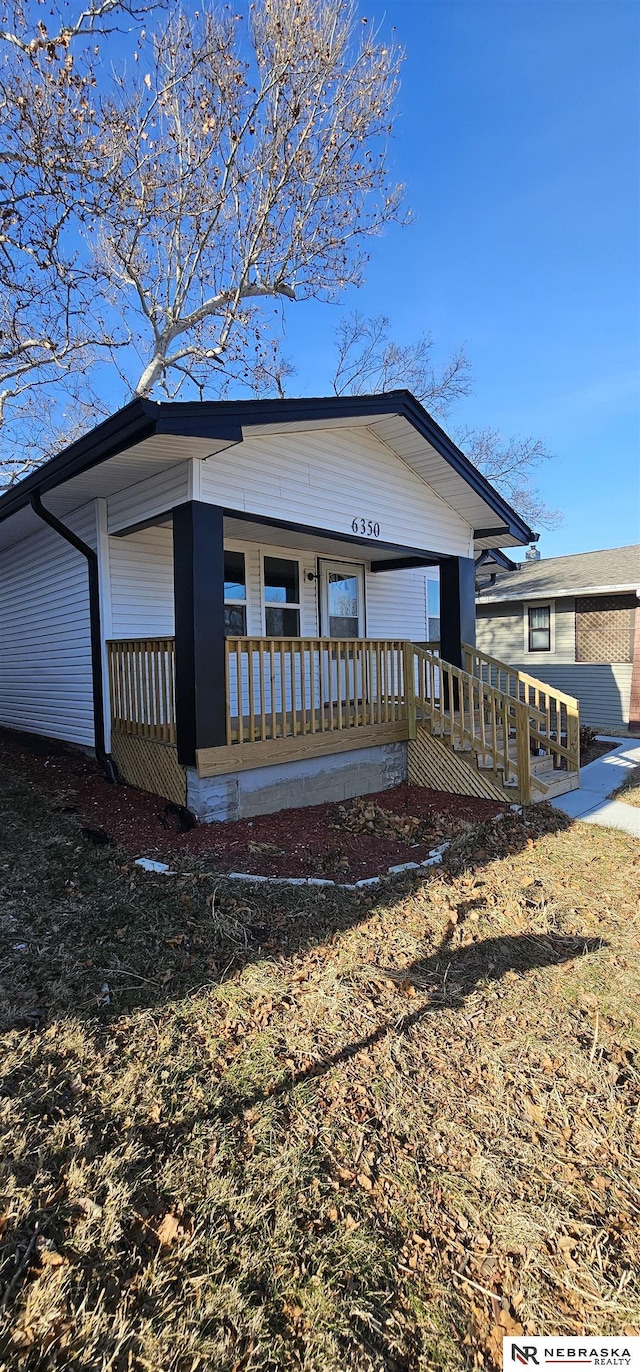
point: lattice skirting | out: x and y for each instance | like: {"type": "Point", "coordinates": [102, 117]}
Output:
{"type": "Point", "coordinates": [431, 763]}
{"type": "Point", "coordinates": [150, 765]}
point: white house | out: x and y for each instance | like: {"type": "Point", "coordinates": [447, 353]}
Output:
{"type": "Point", "coordinates": [227, 600]}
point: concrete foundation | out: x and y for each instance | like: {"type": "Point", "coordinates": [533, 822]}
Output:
{"type": "Point", "coordinates": [265, 790]}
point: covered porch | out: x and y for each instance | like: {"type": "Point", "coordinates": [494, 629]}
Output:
{"type": "Point", "coordinates": [484, 730]}
{"type": "Point", "coordinates": [313, 680]}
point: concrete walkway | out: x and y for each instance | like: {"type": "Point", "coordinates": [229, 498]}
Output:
{"type": "Point", "coordinates": [597, 781]}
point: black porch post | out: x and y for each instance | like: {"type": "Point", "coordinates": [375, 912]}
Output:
{"type": "Point", "coordinates": [457, 608]}
{"type": "Point", "coordinates": [198, 579]}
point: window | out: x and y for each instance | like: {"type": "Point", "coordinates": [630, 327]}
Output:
{"type": "Point", "coordinates": [539, 628]}
{"type": "Point", "coordinates": [235, 595]}
{"type": "Point", "coordinates": [281, 597]}
{"type": "Point", "coordinates": [433, 609]}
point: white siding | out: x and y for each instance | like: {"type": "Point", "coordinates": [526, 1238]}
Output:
{"type": "Point", "coordinates": [154, 496]}
{"type": "Point", "coordinates": [45, 649]}
{"type": "Point", "coordinates": [324, 480]}
{"type": "Point", "coordinates": [397, 605]}
{"type": "Point", "coordinates": [142, 584]}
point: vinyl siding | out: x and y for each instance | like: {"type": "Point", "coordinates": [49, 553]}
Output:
{"type": "Point", "coordinates": [397, 605]}
{"type": "Point", "coordinates": [324, 480]}
{"type": "Point", "coordinates": [141, 567]}
{"type": "Point", "coordinates": [45, 650]}
{"type": "Point", "coordinates": [603, 690]}
{"type": "Point", "coordinates": [501, 632]}
{"type": "Point", "coordinates": [155, 495]}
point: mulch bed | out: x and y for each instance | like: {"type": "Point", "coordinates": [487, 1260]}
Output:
{"type": "Point", "coordinates": [346, 841]}
{"type": "Point", "coordinates": [596, 750]}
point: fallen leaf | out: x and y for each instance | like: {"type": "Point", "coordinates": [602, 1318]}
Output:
{"type": "Point", "coordinates": [168, 1230]}
{"type": "Point", "coordinates": [535, 1113]}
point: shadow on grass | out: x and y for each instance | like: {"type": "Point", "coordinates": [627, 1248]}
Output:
{"type": "Point", "coordinates": [90, 938]}
{"type": "Point", "coordinates": [448, 977]}
{"type": "Point", "coordinates": [84, 932]}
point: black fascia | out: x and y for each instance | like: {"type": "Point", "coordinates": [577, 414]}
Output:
{"type": "Point", "coordinates": [496, 555]}
{"type": "Point", "coordinates": [226, 419]}
{"type": "Point", "coordinates": [399, 564]}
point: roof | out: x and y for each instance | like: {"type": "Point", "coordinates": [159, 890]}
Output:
{"type": "Point", "coordinates": [611, 569]}
{"type": "Point", "coordinates": [144, 437]}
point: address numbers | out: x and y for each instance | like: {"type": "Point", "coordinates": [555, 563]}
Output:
{"type": "Point", "coordinates": [369, 527]}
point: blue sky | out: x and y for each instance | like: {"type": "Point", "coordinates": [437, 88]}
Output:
{"type": "Point", "coordinates": [518, 142]}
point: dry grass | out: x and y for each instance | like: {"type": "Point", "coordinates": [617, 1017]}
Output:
{"type": "Point", "coordinates": [629, 791]}
{"type": "Point", "coordinates": [311, 1129]}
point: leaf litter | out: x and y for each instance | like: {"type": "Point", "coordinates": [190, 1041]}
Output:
{"type": "Point", "coordinates": [317, 1129]}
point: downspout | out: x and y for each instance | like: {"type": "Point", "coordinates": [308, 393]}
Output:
{"type": "Point", "coordinates": [91, 557]}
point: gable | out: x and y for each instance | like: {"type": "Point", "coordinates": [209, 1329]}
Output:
{"type": "Point", "coordinates": [326, 480]}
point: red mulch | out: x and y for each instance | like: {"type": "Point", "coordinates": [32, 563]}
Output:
{"type": "Point", "coordinates": [310, 841]}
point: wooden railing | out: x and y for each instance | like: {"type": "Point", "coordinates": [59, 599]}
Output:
{"type": "Point", "coordinates": [142, 687]}
{"type": "Point", "coordinates": [470, 714]}
{"type": "Point", "coordinates": [558, 731]}
{"type": "Point", "coordinates": [282, 688]}
{"type": "Point", "coordinates": [290, 687]}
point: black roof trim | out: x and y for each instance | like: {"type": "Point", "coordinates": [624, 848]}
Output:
{"type": "Point", "coordinates": [499, 557]}
{"type": "Point", "coordinates": [225, 419]}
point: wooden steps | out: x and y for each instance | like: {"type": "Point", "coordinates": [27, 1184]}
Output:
{"type": "Point", "coordinates": [456, 766]}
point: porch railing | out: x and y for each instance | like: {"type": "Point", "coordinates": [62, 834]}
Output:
{"type": "Point", "coordinates": [290, 687]}
{"type": "Point", "coordinates": [282, 688]}
{"type": "Point", "coordinates": [142, 687]}
{"type": "Point", "coordinates": [557, 731]}
{"type": "Point", "coordinates": [470, 715]}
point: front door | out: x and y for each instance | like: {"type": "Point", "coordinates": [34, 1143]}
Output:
{"type": "Point", "coordinates": [341, 599]}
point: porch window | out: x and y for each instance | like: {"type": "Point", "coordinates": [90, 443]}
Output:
{"type": "Point", "coordinates": [281, 597]}
{"type": "Point", "coordinates": [235, 595]}
{"type": "Point", "coordinates": [433, 609]}
{"type": "Point", "coordinates": [539, 628]}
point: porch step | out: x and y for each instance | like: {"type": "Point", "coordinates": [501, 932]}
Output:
{"type": "Point", "coordinates": [554, 782]}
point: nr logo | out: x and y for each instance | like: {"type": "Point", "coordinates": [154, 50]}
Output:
{"type": "Point", "coordinates": [524, 1353]}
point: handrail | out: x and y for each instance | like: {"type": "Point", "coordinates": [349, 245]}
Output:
{"type": "Point", "coordinates": [561, 711]}
{"type": "Point", "coordinates": [464, 710]}
{"type": "Point", "coordinates": [515, 671]}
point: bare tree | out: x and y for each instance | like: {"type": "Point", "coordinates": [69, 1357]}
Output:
{"type": "Point", "coordinates": [162, 211]}
{"type": "Point", "coordinates": [370, 360]}
{"type": "Point", "coordinates": [50, 162]}
{"type": "Point", "coordinates": [246, 168]}
{"type": "Point", "coordinates": [509, 463]}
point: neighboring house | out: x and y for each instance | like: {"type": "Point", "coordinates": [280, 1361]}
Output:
{"type": "Point", "coordinates": [223, 599]}
{"type": "Point", "coordinates": [575, 621]}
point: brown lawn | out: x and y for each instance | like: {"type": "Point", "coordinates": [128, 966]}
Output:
{"type": "Point", "coordinates": [281, 1128]}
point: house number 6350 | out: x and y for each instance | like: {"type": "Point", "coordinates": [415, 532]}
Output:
{"type": "Point", "coordinates": [369, 527]}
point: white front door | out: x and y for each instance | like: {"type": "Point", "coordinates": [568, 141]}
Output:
{"type": "Point", "coordinates": [341, 599]}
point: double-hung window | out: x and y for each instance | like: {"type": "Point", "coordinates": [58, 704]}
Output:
{"type": "Point", "coordinates": [281, 597]}
{"type": "Point", "coordinates": [539, 628]}
{"type": "Point", "coordinates": [235, 595]}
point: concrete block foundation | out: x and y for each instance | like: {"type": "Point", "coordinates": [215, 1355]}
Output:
{"type": "Point", "coordinates": [283, 786]}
